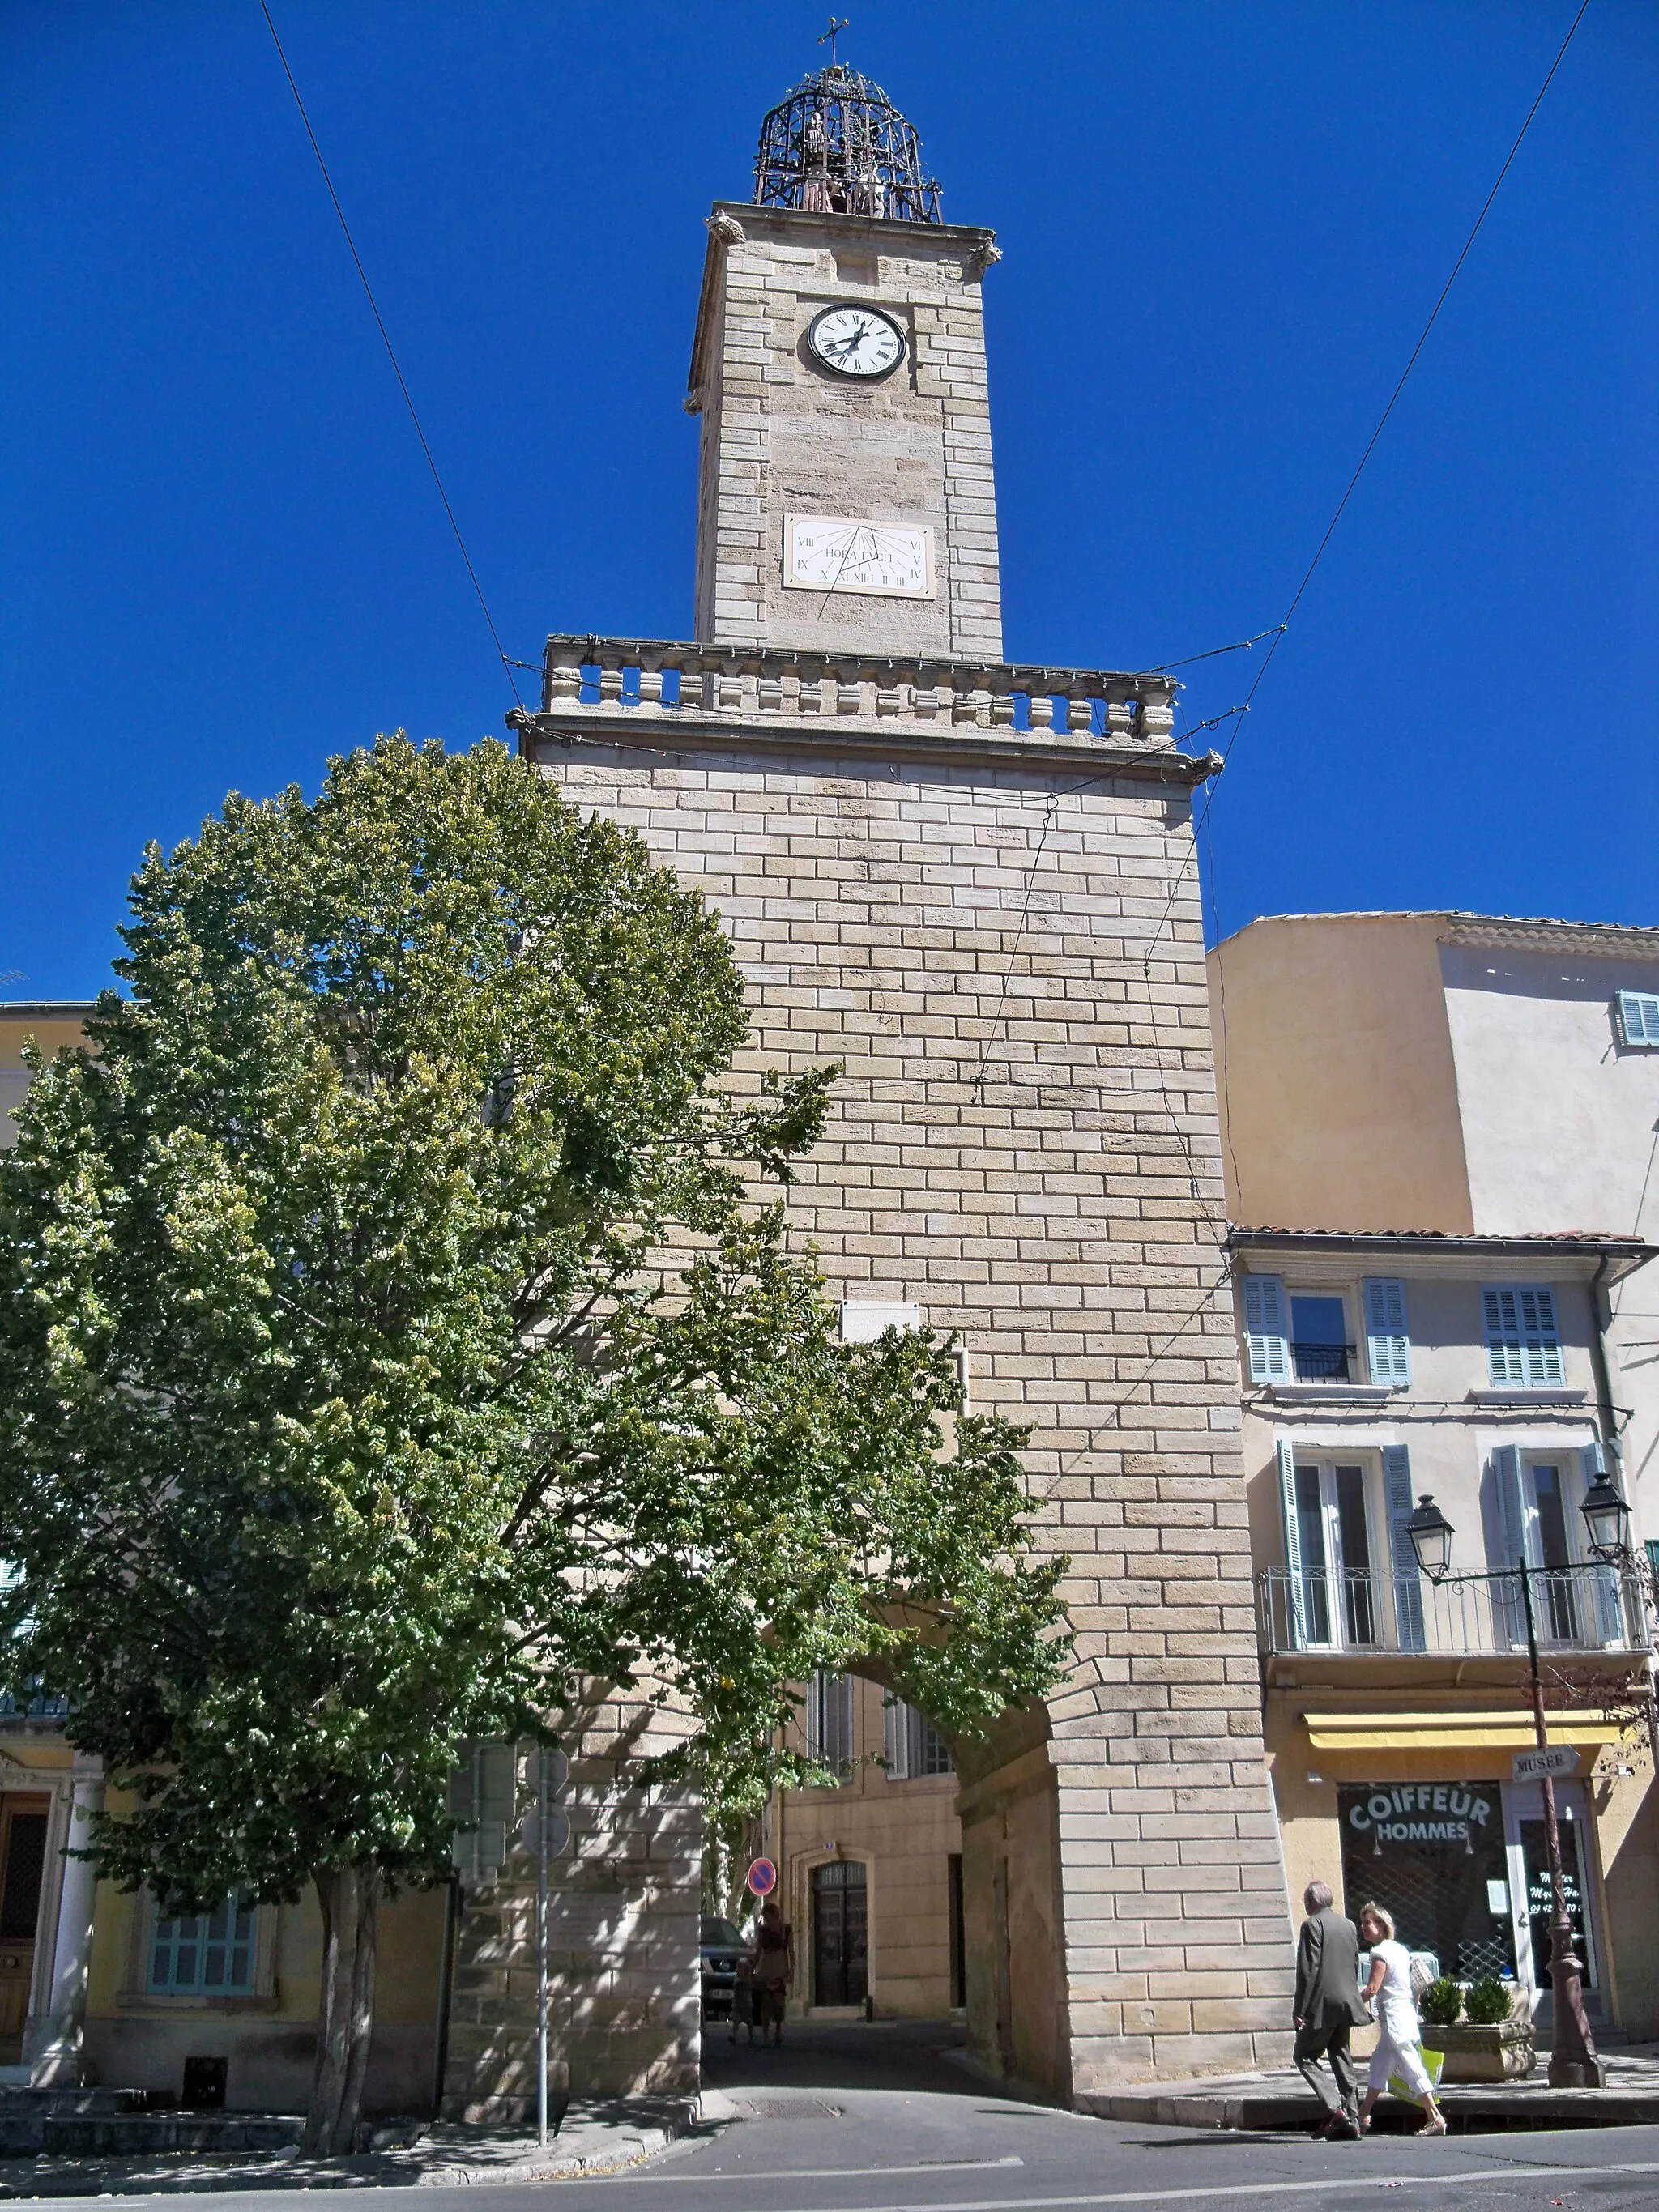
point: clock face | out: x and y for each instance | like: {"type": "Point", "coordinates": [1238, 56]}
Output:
{"type": "Point", "coordinates": [856, 342]}
{"type": "Point", "coordinates": [833, 553]}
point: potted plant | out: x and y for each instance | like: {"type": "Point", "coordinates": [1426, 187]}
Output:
{"type": "Point", "coordinates": [1493, 2043]}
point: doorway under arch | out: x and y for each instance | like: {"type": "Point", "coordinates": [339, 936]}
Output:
{"type": "Point", "coordinates": [841, 1933]}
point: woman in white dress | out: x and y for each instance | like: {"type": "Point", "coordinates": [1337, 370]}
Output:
{"type": "Point", "coordinates": [1400, 2045]}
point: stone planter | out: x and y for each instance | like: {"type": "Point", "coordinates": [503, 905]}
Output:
{"type": "Point", "coordinates": [1499, 2053]}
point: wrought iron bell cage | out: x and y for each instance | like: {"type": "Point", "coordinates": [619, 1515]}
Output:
{"type": "Point", "coordinates": [837, 145]}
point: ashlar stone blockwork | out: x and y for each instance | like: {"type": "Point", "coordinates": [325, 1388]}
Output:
{"type": "Point", "coordinates": [781, 436]}
{"type": "Point", "coordinates": [624, 1994]}
{"type": "Point", "coordinates": [1006, 961]}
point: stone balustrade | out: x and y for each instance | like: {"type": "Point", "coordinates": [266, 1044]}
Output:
{"type": "Point", "coordinates": [651, 677]}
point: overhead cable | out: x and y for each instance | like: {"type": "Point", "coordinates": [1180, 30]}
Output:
{"type": "Point", "coordinates": [1370, 447]}
{"type": "Point", "coordinates": [507, 665]}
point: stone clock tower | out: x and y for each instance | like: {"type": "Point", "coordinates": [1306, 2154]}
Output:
{"type": "Point", "coordinates": [970, 882]}
{"type": "Point", "coordinates": [846, 500]}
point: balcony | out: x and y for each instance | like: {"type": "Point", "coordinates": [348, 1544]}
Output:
{"type": "Point", "coordinates": [639, 685]}
{"type": "Point", "coordinates": [1325, 1362]}
{"type": "Point", "coordinates": [1583, 1609]}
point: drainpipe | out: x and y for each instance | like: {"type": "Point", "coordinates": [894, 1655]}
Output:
{"type": "Point", "coordinates": [1602, 1315]}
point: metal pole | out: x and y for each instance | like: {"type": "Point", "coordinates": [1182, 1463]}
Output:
{"type": "Point", "coordinates": [1573, 2061]}
{"type": "Point", "coordinates": [541, 1947]}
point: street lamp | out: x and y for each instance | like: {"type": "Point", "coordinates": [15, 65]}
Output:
{"type": "Point", "coordinates": [1573, 2061]}
{"type": "Point", "coordinates": [1608, 1518]}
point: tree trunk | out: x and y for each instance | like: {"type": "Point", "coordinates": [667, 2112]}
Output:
{"type": "Point", "coordinates": [350, 1899]}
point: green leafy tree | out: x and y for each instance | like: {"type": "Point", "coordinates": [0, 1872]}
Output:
{"type": "Point", "coordinates": [392, 1342]}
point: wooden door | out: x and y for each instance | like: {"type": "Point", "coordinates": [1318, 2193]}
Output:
{"type": "Point", "coordinates": [22, 1865]}
{"type": "Point", "coordinates": [840, 1933]}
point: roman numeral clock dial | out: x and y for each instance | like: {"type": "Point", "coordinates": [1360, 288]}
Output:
{"type": "Point", "coordinates": [836, 553]}
{"type": "Point", "coordinates": [857, 342]}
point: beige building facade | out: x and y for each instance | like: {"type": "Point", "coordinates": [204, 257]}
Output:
{"type": "Point", "coordinates": [1438, 1130]}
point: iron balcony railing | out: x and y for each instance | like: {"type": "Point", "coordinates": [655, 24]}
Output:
{"type": "Point", "coordinates": [1582, 1608]}
{"type": "Point", "coordinates": [39, 1707]}
{"type": "Point", "coordinates": [1324, 1363]}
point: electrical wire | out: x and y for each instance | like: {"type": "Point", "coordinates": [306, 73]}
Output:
{"type": "Point", "coordinates": [1371, 447]}
{"type": "Point", "coordinates": [1215, 651]}
{"type": "Point", "coordinates": [380, 324]}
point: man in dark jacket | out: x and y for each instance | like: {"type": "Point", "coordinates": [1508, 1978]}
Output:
{"type": "Point", "coordinates": [1328, 2007]}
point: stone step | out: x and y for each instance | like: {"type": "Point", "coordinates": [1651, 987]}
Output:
{"type": "Point", "coordinates": [139, 2134]}
{"type": "Point", "coordinates": [38, 2103]}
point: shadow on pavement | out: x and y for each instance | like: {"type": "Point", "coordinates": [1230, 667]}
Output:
{"type": "Point", "coordinates": [921, 2055]}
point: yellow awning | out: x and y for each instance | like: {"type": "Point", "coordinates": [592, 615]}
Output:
{"type": "Point", "coordinates": [1453, 1731]}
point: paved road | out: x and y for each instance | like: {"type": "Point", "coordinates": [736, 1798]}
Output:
{"type": "Point", "coordinates": [882, 2119]}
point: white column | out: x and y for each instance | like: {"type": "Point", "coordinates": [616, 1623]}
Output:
{"type": "Point", "coordinates": [55, 2058]}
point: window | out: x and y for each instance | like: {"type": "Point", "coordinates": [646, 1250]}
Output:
{"type": "Point", "coordinates": [1523, 1342]}
{"type": "Point", "coordinates": [912, 1745]}
{"type": "Point", "coordinates": [205, 1953]}
{"type": "Point", "coordinates": [1320, 1349]}
{"type": "Point", "coordinates": [1638, 1018]}
{"type": "Point", "coordinates": [1328, 1548]}
{"type": "Point", "coordinates": [1576, 1603]}
{"type": "Point", "coordinates": [830, 1721]}
{"type": "Point", "coordinates": [1308, 1336]}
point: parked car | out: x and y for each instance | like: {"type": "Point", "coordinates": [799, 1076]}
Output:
{"type": "Point", "coordinates": [722, 1945]}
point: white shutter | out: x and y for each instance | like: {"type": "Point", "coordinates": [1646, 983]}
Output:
{"type": "Point", "coordinates": [896, 1740]}
{"type": "Point", "coordinates": [1387, 1345]}
{"type": "Point", "coordinates": [1407, 1585]}
{"type": "Point", "coordinates": [1295, 1607]}
{"type": "Point", "coordinates": [1268, 1356]}
{"type": "Point", "coordinates": [1638, 1017]}
{"type": "Point", "coordinates": [1604, 1580]}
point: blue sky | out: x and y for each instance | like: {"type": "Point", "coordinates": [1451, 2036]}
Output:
{"type": "Point", "coordinates": [1223, 226]}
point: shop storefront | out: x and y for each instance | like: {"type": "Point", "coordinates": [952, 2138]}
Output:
{"type": "Point", "coordinates": [1462, 1867]}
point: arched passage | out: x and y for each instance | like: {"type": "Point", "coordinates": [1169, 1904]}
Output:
{"type": "Point", "coordinates": [951, 1872]}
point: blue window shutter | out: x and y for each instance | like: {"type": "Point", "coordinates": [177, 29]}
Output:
{"type": "Point", "coordinates": [1638, 1017]}
{"type": "Point", "coordinates": [1267, 1354]}
{"type": "Point", "coordinates": [1604, 1580]}
{"type": "Point", "coordinates": [1407, 1585]}
{"type": "Point", "coordinates": [1388, 1344]}
{"type": "Point", "coordinates": [1285, 1452]}
{"type": "Point", "coordinates": [1505, 1362]}
{"type": "Point", "coordinates": [1510, 1606]}
{"type": "Point", "coordinates": [1541, 1335]}
{"type": "Point", "coordinates": [1512, 1508]}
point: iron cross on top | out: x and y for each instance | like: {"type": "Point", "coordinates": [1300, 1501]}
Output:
{"type": "Point", "coordinates": [828, 37]}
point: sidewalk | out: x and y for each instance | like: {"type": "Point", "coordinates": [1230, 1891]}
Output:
{"type": "Point", "coordinates": [1282, 2099]}
{"type": "Point", "coordinates": [594, 2135]}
